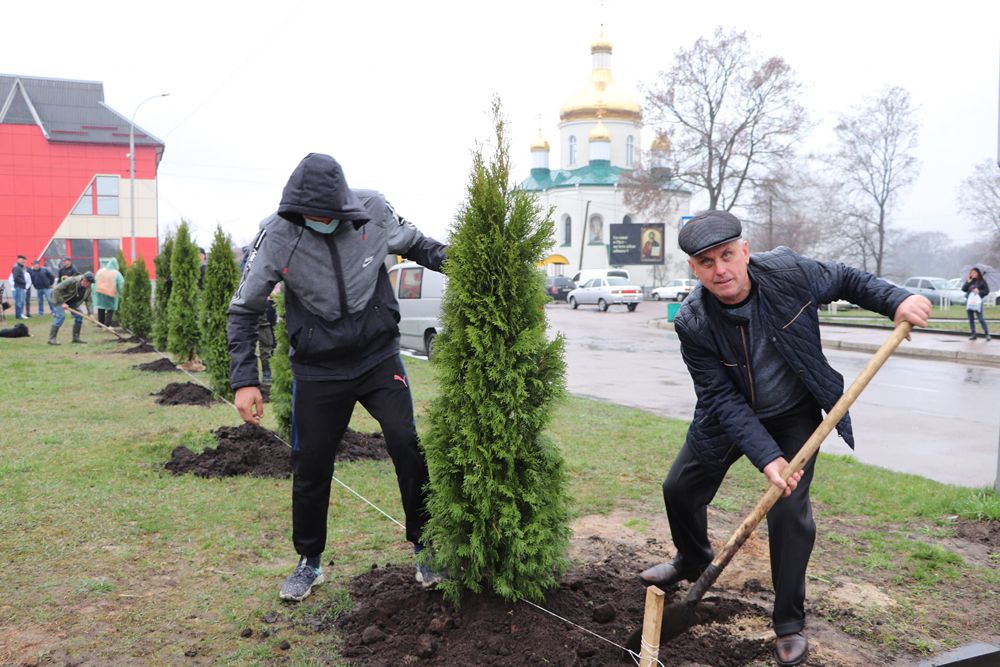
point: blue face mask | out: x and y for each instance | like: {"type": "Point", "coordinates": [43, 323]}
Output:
{"type": "Point", "coordinates": [321, 227]}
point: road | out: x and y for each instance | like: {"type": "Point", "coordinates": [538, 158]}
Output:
{"type": "Point", "coordinates": [932, 418]}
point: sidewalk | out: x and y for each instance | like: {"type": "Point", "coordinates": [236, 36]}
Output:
{"type": "Point", "coordinates": [926, 344]}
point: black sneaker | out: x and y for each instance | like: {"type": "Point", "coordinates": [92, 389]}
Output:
{"type": "Point", "coordinates": [299, 585]}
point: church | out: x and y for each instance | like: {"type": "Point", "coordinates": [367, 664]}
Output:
{"type": "Point", "coordinates": [599, 146]}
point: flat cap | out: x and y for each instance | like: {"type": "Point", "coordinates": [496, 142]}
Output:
{"type": "Point", "coordinates": [707, 230]}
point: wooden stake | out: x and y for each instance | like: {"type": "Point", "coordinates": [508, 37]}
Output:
{"type": "Point", "coordinates": [652, 619]}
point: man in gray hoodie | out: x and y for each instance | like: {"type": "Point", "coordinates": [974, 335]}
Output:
{"type": "Point", "coordinates": [328, 244]}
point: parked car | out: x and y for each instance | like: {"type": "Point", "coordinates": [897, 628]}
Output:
{"type": "Point", "coordinates": [583, 275]}
{"type": "Point", "coordinates": [557, 287]}
{"type": "Point", "coordinates": [936, 289]}
{"type": "Point", "coordinates": [674, 290]}
{"type": "Point", "coordinates": [606, 292]}
{"type": "Point", "coordinates": [418, 291]}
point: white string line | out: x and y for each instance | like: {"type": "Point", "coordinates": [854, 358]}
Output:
{"type": "Point", "coordinates": [632, 654]}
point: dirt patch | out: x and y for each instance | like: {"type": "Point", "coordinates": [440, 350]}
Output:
{"type": "Point", "coordinates": [395, 622]}
{"type": "Point", "coordinates": [986, 533]}
{"type": "Point", "coordinates": [185, 393]}
{"type": "Point", "coordinates": [130, 339]}
{"type": "Point", "coordinates": [161, 365]}
{"type": "Point", "coordinates": [254, 451]}
{"type": "Point", "coordinates": [144, 348]}
{"type": "Point", "coordinates": [242, 450]}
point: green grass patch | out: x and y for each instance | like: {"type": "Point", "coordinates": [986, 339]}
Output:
{"type": "Point", "coordinates": [123, 554]}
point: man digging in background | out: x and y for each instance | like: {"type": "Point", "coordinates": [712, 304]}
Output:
{"type": "Point", "coordinates": [750, 339]}
{"type": "Point", "coordinates": [328, 244]}
{"type": "Point", "coordinates": [72, 293]}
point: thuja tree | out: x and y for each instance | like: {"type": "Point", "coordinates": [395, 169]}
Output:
{"type": "Point", "coordinates": [136, 310]}
{"type": "Point", "coordinates": [182, 307]}
{"type": "Point", "coordinates": [497, 493]}
{"type": "Point", "coordinates": [163, 285]}
{"type": "Point", "coordinates": [281, 373]}
{"type": "Point", "coordinates": [221, 279]}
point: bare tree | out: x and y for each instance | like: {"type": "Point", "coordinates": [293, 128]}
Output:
{"type": "Point", "coordinates": [730, 115]}
{"type": "Point", "coordinates": [874, 161]}
{"type": "Point", "coordinates": [979, 198]}
{"type": "Point", "coordinates": [789, 209]}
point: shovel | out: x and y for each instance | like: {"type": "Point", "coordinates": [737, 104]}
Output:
{"type": "Point", "coordinates": [681, 616]}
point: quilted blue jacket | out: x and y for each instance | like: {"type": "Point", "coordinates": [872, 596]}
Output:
{"type": "Point", "coordinates": [716, 349]}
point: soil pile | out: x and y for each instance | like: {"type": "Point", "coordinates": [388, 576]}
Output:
{"type": "Point", "coordinates": [145, 348]}
{"type": "Point", "coordinates": [252, 450]}
{"type": "Point", "coordinates": [130, 339]}
{"type": "Point", "coordinates": [185, 393]}
{"type": "Point", "coordinates": [395, 622]}
{"type": "Point", "coordinates": [242, 450]}
{"type": "Point", "coordinates": [161, 365]}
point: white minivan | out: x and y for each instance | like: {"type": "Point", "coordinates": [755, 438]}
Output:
{"type": "Point", "coordinates": [418, 291]}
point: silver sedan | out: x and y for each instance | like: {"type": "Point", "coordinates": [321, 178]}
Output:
{"type": "Point", "coordinates": [604, 292]}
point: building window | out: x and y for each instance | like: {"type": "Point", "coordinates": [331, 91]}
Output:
{"type": "Point", "coordinates": [627, 220]}
{"type": "Point", "coordinates": [596, 230]}
{"type": "Point", "coordinates": [567, 230]}
{"type": "Point", "coordinates": [629, 151]}
{"type": "Point", "coordinates": [572, 151]}
{"type": "Point", "coordinates": [100, 197]}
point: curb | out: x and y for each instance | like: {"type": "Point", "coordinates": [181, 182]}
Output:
{"type": "Point", "coordinates": [902, 350]}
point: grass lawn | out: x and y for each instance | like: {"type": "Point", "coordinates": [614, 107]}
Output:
{"type": "Point", "coordinates": [953, 318]}
{"type": "Point", "coordinates": [109, 559]}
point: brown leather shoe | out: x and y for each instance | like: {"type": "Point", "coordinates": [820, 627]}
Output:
{"type": "Point", "coordinates": [666, 575]}
{"type": "Point", "coordinates": [791, 649]}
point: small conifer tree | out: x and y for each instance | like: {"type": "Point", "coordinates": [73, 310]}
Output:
{"type": "Point", "coordinates": [221, 280]}
{"type": "Point", "coordinates": [281, 372]}
{"type": "Point", "coordinates": [122, 264]}
{"type": "Point", "coordinates": [497, 493]}
{"type": "Point", "coordinates": [136, 310]}
{"type": "Point", "coordinates": [163, 285]}
{"type": "Point", "coordinates": [182, 308]}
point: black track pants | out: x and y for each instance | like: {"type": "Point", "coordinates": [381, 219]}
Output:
{"type": "Point", "coordinates": [321, 412]}
{"type": "Point", "coordinates": [689, 488]}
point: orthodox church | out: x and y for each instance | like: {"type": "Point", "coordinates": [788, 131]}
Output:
{"type": "Point", "coordinates": [599, 144]}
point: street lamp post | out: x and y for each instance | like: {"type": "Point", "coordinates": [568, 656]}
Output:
{"type": "Point", "coordinates": [131, 167]}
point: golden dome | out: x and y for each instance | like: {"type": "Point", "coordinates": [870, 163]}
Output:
{"type": "Point", "coordinates": [540, 144]}
{"type": "Point", "coordinates": [599, 133]}
{"type": "Point", "coordinates": [601, 93]}
{"type": "Point", "coordinates": [661, 143]}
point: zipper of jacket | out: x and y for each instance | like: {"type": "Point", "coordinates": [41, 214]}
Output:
{"type": "Point", "coordinates": [746, 355]}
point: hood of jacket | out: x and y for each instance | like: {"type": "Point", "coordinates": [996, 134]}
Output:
{"type": "Point", "coordinates": [318, 188]}
{"type": "Point", "coordinates": [111, 264]}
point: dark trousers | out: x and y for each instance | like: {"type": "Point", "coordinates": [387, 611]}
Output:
{"type": "Point", "coordinates": [972, 321]}
{"type": "Point", "coordinates": [104, 316]}
{"type": "Point", "coordinates": [321, 412]}
{"type": "Point", "coordinates": [690, 487]}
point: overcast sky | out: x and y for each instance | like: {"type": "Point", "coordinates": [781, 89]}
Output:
{"type": "Point", "coordinates": [399, 92]}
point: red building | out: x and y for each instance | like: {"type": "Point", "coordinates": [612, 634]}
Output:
{"type": "Point", "coordinates": [64, 176]}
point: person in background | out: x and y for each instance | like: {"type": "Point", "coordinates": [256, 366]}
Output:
{"type": "Point", "coordinates": [108, 285]}
{"type": "Point", "coordinates": [19, 282]}
{"type": "Point", "coordinates": [41, 282]}
{"type": "Point", "coordinates": [75, 293]}
{"type": "Point", "coordinates": [66, 269]}
{"type": "Point", "coordinates": [202, 266]}
{"type": "Point", "coordinates": [750, 339]}
{"type": "Point", "coordinates": [327, 244]}
{"type": "Point", "coordinates": [976, 290]}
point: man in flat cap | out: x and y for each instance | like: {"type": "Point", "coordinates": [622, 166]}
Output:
{"type": "Point", "coordinates": [750, 338]}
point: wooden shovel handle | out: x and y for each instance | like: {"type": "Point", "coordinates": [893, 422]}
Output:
{"type": "Point", "coordinates": [811, 446]}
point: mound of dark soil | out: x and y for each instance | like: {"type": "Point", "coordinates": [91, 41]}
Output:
{"type": "Point", "coordinates": [395, 622]}
{"type": "Point", "coordinates": [144, 348]}
{"type": "Point", "coordinates": [130, 339]}
{"type": "Point", "coordinates": [255, 451]}
{"type": "Point", "coordinates": [242, 450]}
{"type": "Point", "coordinates": [984, 532]}
{"type": "Point", "coordinates": [161, 365]}
{"type": "Point", "coordinates": [185, 393]}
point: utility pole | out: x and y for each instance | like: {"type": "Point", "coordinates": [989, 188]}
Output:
{"type": "Point", "coordinates": [583, 239]}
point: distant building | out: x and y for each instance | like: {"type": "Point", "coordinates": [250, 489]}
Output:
{"type": "Point", "coordinates": [64, 175]}
{"type": "Point", "coordinates": [599, 143]}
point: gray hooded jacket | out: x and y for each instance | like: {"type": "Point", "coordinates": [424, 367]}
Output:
{"type": "Point", "coordinates": [340, 313]}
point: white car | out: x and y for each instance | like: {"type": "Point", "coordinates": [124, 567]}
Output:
{"type": "Point", "coordinates": [606, 292]}
{"type": "Point", "coordinates": [675, 290]}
